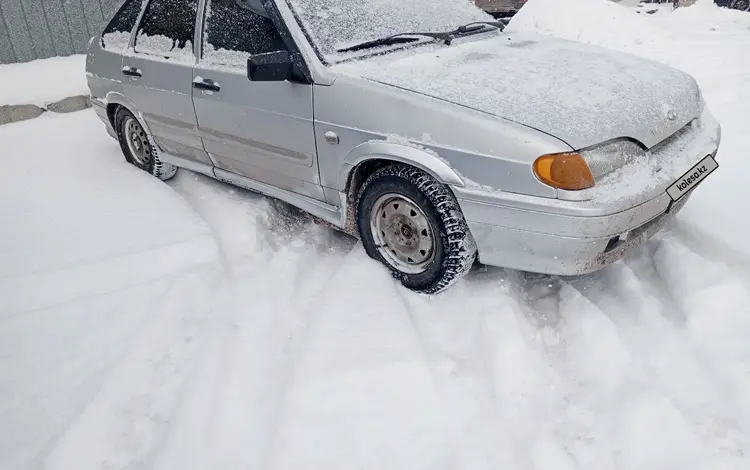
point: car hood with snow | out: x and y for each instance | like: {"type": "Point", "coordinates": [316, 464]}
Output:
{"type": "Point", "coordinates": [581, 94]}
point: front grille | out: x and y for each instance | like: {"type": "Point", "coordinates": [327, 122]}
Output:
{"type": "Point", "coordinates": [613, 242]}
{"type": "Point", "coordinates": [616, 242]}
{"type": "Point", "coordinates": [682, 134]}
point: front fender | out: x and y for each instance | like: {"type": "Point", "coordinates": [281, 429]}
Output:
{"type": "Point", "coordinates": [402, 153]}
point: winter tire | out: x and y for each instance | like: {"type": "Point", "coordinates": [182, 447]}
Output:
{"type": "Point", "coordinates": [413, 224]}
{"type": "Point", "coordinates": [138, 147]}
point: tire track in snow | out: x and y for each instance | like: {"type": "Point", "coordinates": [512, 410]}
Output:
{"type": "Point", "coordinates": [450, 341]}
{"type": "Point", "coordinates": [235, 217]}
{"type": "Point", "coordinates": [357, 342]}
{"type": "Point", "coordinates": [632, 307]}
{"type": "Point", "coordinates": [481, 348]}
{"type": "Point", "coordinates": [70, 365]}
{"type": "Point", "coordinates": [658, 357]}
{"type": "Point", "coordinates": [550, 376]}
{"type": "Point", "coordinates": [293, 347]}
{"type": "Point", "coordinates": [233, 405]}
{"type": "Point", "coordinates": [701, 242]}
{"type": "Point", "coordinates": [70, 285]}
{"type": "Point", "coordinates": [586, 366]}
{"type": "Point", "coordinates": [130, 417]}
{"type": "Point", "coordinates": [231, 214]}
{"type": "Point", "coordinates": [715, 299]}
{"type": "Point", "coordinates": [281, 263]}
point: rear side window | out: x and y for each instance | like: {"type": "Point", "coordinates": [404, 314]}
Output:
{"type": "Point", "coordinates": [117, 33]}
{"type": "Point", "coordinates": [167, 29]}
{"type": "Point", "coordinates": [236, 29]}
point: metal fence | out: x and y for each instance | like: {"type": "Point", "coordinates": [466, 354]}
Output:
{"type": "Point", "coordinates": [38, 29]}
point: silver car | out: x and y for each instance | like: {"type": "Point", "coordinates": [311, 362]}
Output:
{"type": "Point", "coordinates": [437, 139]}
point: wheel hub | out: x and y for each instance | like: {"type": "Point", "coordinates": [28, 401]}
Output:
{"type": "Point", "coordinates": [402, 233]}
{"type": "Point", "coordinates": [137, 141]}
{"type": "Point", "coordinates": [407, 231]}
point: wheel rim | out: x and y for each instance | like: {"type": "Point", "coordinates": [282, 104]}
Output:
{"type": "Point", "coordinates": [402, 233]}
{"type": "Point", "coordinates": [137, 141]}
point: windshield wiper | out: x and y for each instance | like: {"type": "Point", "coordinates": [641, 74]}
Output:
{"type": "Point", "coordinates": [446, 36]}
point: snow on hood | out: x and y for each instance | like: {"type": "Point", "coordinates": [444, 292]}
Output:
{"type": "Point", "coordinates": [580, 94]}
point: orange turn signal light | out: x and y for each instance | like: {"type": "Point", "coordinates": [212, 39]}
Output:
{"type": "Point", "coordinates": [564, 171]}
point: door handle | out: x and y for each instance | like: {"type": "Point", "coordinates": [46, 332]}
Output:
{"type": "Point", "coordinates": [131, 71]}
{"type": "Point", "coordinates": [206, 84]}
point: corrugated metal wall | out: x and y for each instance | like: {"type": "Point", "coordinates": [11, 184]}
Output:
{"type": "Point", "coordinates": [38, 29]}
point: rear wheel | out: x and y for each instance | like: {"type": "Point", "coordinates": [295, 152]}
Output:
{"type": "Point", "coordinates": [413, 225]}
{"type": "Point", "coordinates": [138, 147]}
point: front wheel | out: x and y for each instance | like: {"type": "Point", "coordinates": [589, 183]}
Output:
{"type": "Point", "coordinates": [413, 225]}
{"type": "Point", "coordinates": [138, 148]}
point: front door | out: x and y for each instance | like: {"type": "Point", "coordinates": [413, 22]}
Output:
{"type": "Point", "coordinates": [158, 75]}
{"type": "Point", "coordinates": [259, 130]}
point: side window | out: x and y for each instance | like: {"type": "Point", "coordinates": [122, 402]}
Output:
{"type": "Point", "coordinates": [167, 28]}
{"type": "Point", "coordinates": [117, 33]}
{"type": "Point", "coordinates": [236, 29]}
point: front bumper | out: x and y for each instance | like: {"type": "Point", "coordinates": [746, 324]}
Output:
{"type": "Point", "coordinates": [611, 237]}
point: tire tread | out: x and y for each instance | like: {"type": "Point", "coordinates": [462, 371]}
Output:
{"type": "Point", "coordinates": [156, 167]}
{"type": "Point", "coordinates": [460, 246]}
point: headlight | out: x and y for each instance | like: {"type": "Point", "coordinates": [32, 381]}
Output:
{"type": "Point", "coordinates": [606, 158]}
{"type": "Point", "coordinates": [564, 171]}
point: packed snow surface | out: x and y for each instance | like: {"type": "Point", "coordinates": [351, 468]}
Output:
{"type": "Point", "coordinates": [43, 81]}
{"type": "Point", "coordinates": [193, 325]}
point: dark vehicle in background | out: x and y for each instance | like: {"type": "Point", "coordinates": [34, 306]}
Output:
{"type": "Point", "coordinates": [742, 5]}
{"type": "Point", "coordinates": [652, 6]}
{"type": "Point", "coordinates": [500, 8]}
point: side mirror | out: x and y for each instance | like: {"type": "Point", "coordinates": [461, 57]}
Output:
{"type": "Point", "coordinates": [269, 67]}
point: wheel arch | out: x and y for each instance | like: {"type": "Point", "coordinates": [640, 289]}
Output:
{"type": "Point", "coordinates": [116, 100]}
{"type": "Point", "coordinates": [391, 152]}
{"type": "Point", "coordinates": [367, 158]}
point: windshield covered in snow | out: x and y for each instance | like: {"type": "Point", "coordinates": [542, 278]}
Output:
{"type": "Point", "coordinates": [337, 24]}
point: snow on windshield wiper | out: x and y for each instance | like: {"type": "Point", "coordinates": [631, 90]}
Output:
{"type": "Point", "coordinates": [446, 36]}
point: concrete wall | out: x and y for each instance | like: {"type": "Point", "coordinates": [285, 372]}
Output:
{"type": "Point", "coordinates": [38, 29]}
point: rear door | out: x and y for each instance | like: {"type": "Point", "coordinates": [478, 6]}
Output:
{"type": "Point", "coordinates": [104, 54]}
{"type": "Point", "coordinates": [158, 74]}
{"type": "Point", "coordinates": [259, 130]}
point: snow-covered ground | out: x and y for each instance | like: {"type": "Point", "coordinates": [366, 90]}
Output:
{"type": "Point", "coordinates": [193, 325]}
{"type": "Point", "coordinates": [43, 81]}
